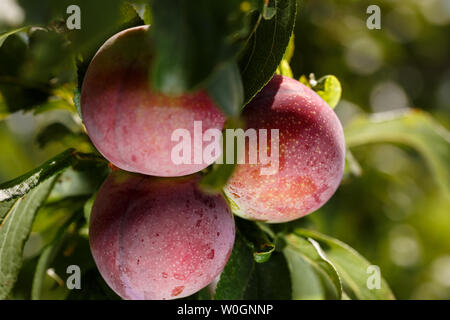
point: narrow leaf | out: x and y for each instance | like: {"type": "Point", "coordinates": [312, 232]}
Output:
{"type": "Point", "coordinates": [413, 128]}
{"type": "Point", "coordinates": [284, 69]}
{"type": "Point", "coordinates": [46, 258]}
{"type": "Point", "coordinates": [20, 199]}
{"type": "Point", "coordinates": [306, 281]}
{"type": "Point", "coordinates": [312, 253]}
{"type": "Point", "coordinates": [265, 48]}
{"type": "Point", "coordinates": [217, 177]}
{"type": "Point", "coordinates": [270, 280]}
{"type": "Point", "coordinates": [235, 277]}
{"type": "Point", "coordinates": [14, 230]}
{"type": "Point", "coordinates": [289, 53]}
{"type": "Point", "coordinates": [5, 35]}
{"type": "Point", "coordinates": [23, 184]}
{"type": "Point", "coordinates": [351, 266]}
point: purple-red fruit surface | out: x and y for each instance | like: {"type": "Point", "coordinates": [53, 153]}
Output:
{"type": "Point", "coordinates": [311, 155]}
{"type": "Point", "coordinates": [130, 124]}
{"type": "Point", "coordinates": [159, 238]}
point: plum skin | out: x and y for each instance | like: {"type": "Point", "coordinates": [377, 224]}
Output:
{"type": "Point", "coordinates": [129, 123]}
{"type": "Point", "coordinates": [159, 238]}
{"type": "Point", "coordinates": [311, 155]}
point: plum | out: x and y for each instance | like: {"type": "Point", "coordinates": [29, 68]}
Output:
{"type": "Point", "coordinates": [159, 238]}
{"type": "Point", "coordinates": [131, 124]}
{"type": "Point", "coordinates": [311, 155]}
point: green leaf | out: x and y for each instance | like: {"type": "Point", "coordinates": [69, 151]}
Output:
{"type": "Point", "coordinates": [351, 266]}
{"type": "Point", "coordinates": [214, 181]}
{"type": "Point", "coordinates": [142, 8]}
{"type": "Point", "coordinates": [217, 178]}
{"type": "Point", "coordinates": [59, 133]}
{"type": "Point", "coordinates": [20, 186]}
{"type": "Point", "coordinates": [225, 88]}
{"type": "Point", "coordinates": [53, 215]}
{"type": "Point", "coordinates": [20, 199]}
{"type": "Point", "coordinates": [413, 128]}
{"type": "Point", "coordinates": [116, 15]}
{"type": "Point", "coordinates": [262, 246]}
{"type": "Point", "coordinates": [81, 180]}
{"type": "Point", "coordinates": [264, 285]}
{"type": "Point", "coordinates": [311, 252]}
{"type": "Point", "coordinates": [204, 294]}
{"type": "Point", "coordinates": [130, 13]}
{"type": "Point", "coordinates": [17, 219]}
{"type": "Point", "coordinates": [76, 251]}
{"type": "Point", "coordinates": [54, 103]}
{"type": "Point", "coordinates": [77, 99]}
{"type": "Point", "coordinates": [284, 69]}
{"type": "Point", "coordinates": [46, 258]}
{"type": "Point", "coordinates": [191, 41]}
{"type": "Point", "coordinates": [49, 59]}
{"type": "Point", "coordinates": [5, 35]}
{"type": "Point", "coordinates": [17, 90]}
{"type": "Point", "coordinates": [34, 64]}
{"type": "Point", "coordinates": [306, 282]}
{"type": "Point", "coordinates": [93, 287]}
{"type": "Point", "coordinates": [87, 209]}
{"type": "Point", "coordinates": [352, 165]}
{"type": "Point", "coordinates": [268, 12]}
{"type": "Point", "coordinates": [304, 80]}
{"type": "Point", "coordinates": [266, 46]}
{"type": "Point", "coordinates": [329, 89]}
{"type": "Point", "coordinates": [289, 53]}
{"type": "Point", "coordinates": [242, 278]}
{"type": "Point", "coordinates": [235, 277]}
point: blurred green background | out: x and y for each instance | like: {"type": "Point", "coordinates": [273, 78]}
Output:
{"type": "Point", "coordinates": [393, 212]}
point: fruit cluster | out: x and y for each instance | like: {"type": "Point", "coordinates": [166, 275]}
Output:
{"type": "Point", "coordinates": [153, 233]}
